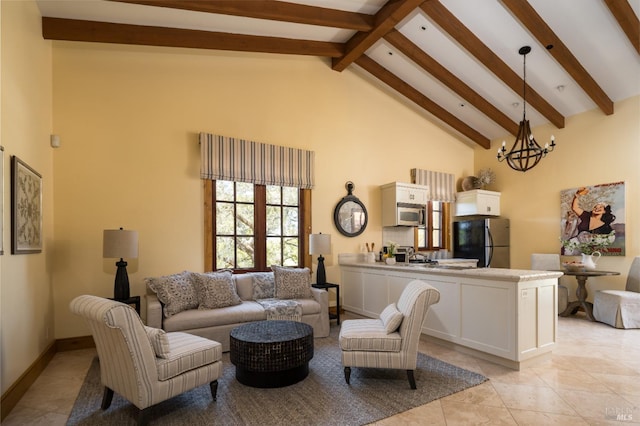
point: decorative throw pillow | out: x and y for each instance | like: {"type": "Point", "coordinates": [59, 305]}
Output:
{"type": "Point", "coordinates": [216, 290]}
{"type": "Point", "coordinates": [264, 286]}
{"type": "Point", "coordinates": [176, 292]}
{"type": "Point", "coordinates": [159, 341]}
{"type": "Point", "coordinates": [292, 283]}
{"type": "Point", "coordinates": [391, 318]}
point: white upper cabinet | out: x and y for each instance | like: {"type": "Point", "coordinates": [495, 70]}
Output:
{"type": "Point", "coordinates": [477, 202]}
{"type": "Point", "coordinates": [398, 192]}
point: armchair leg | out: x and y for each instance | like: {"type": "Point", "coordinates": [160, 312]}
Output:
{"type": "Point", "coordinates": [143, 416]}
{"type": "Point", "coordinates": [214, 389]}
{"type": "Point", "coordinates": [412, 380]}
{"type": "Point", "coordinates": [107, 396]}
{"type": "Point", "coordinates": [347, 374]}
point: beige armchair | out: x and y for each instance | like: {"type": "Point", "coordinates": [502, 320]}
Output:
{"type": "Point", "coordinates": [391, 341]}
{"type": "Point", "coordinates": [551, 262]}
{"type": "Point", "coordinates": [143, 364]}
{"type": "Point", "coordinates": [620, 308]}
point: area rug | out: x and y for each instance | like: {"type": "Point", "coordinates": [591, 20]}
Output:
{"type": "Point", "coordinates": [323, 398]}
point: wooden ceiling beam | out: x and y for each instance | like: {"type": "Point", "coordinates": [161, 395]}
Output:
{"type": "Point", "coordinates": [271, 10]}
{"type": "Point", "coordinates": [430, 65]}
{"type": "Point", "coordinates": [421, 100]}
{"type": "Point", "coordinates": [627, 19]}
{"type": "Point", "coordinates": [530, 19]}
{"type": "Point", "coordinates": [385, 20]}
{"type": "Point", "coordinates": [104, 32]}
{"type": "Point", "coordinates": [450, 24]}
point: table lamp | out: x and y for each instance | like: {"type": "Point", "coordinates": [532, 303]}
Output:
{"type": "Point", "coordinates": [118, 243]}
{"type": "Point", "coordinates": [320, 244]}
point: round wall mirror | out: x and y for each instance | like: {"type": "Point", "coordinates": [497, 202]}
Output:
{"type": "Point", "coordinates": [350, 215]}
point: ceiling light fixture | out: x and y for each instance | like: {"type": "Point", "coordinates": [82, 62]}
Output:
{"type": "Point", "coordinates": [525, 152]}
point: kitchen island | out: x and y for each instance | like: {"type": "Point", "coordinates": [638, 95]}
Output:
{"type": "Point", "coordinates": [507, 316]}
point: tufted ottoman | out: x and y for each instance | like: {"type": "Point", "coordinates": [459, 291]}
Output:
{"type": "Point", "coordinates": [271, 354]}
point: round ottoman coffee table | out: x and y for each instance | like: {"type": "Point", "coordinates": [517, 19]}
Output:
{"type": "Point", "coordinates": [271, 354]}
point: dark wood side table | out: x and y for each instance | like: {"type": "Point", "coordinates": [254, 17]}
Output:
{"type": "Point", "coordinates": [133, 300]}
{"type": "Point", "coordinates": [581, 292]}
{"type": "Point", "coordinates": [327, 286]}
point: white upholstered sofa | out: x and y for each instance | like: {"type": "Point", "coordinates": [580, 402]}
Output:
{"type": "Point", "coordinates": [198, 312]}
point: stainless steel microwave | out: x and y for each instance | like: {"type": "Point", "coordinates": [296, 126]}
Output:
{"type": "Point", "coordinates": [410, 214]}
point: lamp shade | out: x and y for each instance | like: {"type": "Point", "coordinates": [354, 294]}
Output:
{"type": "Point", "coordinates": [120, 243]}
{"type": "Point", "coordinates": [319, 243]}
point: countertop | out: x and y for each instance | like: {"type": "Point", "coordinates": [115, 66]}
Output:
{"type": "Point", "coordinates": [451, 270]}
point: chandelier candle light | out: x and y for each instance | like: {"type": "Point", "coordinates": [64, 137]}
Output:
{"type": "Point", "coordinates": [525, 152]}
{"type": "Point", "coordinates": [118, 243]}
{"type": "Point", "coordinates": [320, 244]}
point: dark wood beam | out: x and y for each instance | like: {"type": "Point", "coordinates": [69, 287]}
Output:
{"type": "Point", "coordinates": [421, 100]}
{"type": "Point", "coordinates": [385, 20]}
{"type": "Point", "coordinates": [627, 19]}
{"type": "Point", "coordinates": [272, 10]}
{"type": "Point", "coordinates": [450, 24]}
{"type": "Point", "coordinates": [528, 17]}
{"type": "Point", "coordinates": [104, 32]}
{"type": "Point", "coordinates": [430, 65]}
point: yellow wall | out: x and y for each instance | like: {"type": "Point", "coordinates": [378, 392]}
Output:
{"type": "Point", "coordinates": [128, 119]}
{"type": "Point", "coordinates": [25, 281]}
{"type": "Point", "coordinates": [592, 148]}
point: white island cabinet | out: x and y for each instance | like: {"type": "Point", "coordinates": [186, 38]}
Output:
{"type": "Point", "coordinates": [506, 316]}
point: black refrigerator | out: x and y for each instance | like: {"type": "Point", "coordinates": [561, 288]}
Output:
{"type": "Point", "coordinates": [484, 239]}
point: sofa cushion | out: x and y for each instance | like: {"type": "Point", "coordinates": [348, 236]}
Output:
{"type": "Point", "coordinates": [176, 292]}
{"type": "Point", "coordinates": [264, 286]}
{"type": "Point", "coordinates": [292, 283]}
{"type": "Point", "coordinates": [368, 335]}
{"type": "Point", "coordinates": [193, 319]}
{"type": "Point", "coordinates": [188, 352]}
{"type": "Point", "coordinates": [159, 341]}
{"type": "Point", "coordinates": [391, 318]}
{"type": "Point", "coordinates": [215, 290]}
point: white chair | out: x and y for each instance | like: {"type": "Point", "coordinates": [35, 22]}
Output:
{"type": "Point", "coordinates": [375, 343]}
{"type": "Point", "coordinates": [142, 364]}
{"type": "Point", "coordinates": [551, 262]}
{"type": "Point", "coordinates": [620, 308]}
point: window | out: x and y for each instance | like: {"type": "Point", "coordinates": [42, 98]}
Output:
{"type": "Point", "coordinates": [433, 236]}
{"type": "Point", "coordinates": [252, 227]}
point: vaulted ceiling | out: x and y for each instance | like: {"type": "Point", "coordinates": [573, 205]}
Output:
{"type": "Point", "coordinates": [456, 60]}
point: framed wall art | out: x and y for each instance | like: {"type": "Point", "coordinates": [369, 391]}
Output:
{"type": "Point", "coordinates": [26, 208]}
{"type": "Point", "coordinates": [593, 219]}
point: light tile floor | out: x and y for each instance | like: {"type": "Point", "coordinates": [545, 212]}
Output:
{"type": "Point", "coordinates": [593, 378]}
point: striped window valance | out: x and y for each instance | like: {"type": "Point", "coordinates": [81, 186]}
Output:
{"type": "Point", "coordinates": [241, 160]}
{"type": "Point", "coordinates": [442, 186]}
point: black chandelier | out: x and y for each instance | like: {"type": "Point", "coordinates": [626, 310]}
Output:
{"type": "Point", "coordinates": [525, 152]}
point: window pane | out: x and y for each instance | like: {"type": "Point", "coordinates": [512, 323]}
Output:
{"type": "Point", "coordinates": [244, 219]}
{"type": "Point", "coordinates": [290, 220]}
{"type": "Point", "coordinates": [290, 196]}
{"type": "Point", "coordinates": [224, 190]}
{"type": "Point", "coordinates": [436, 238]}
{"type": "Point", "coordinates": [290, 252]}
{"type": "Point", "coordinates": [245, 252]}
{"type": "Point", "coordinates": [274, 221]}
{"type": "Point", "coordinates": [435, 217]}
{"type": "Point", "coordinates": [437, 205]}
{"type": "Point", "coordinates": [274, 252]}
{"type": "Point", "coordinates": [422, 237]}
{"type": "Point", "coordinates": [224, 218]}
{"type": "Point", "coordinates": [224, 252]}
{"type": "Point", "coordinates": [244, 192]}
{"type": "Point", "coordinates": [273, 194]}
